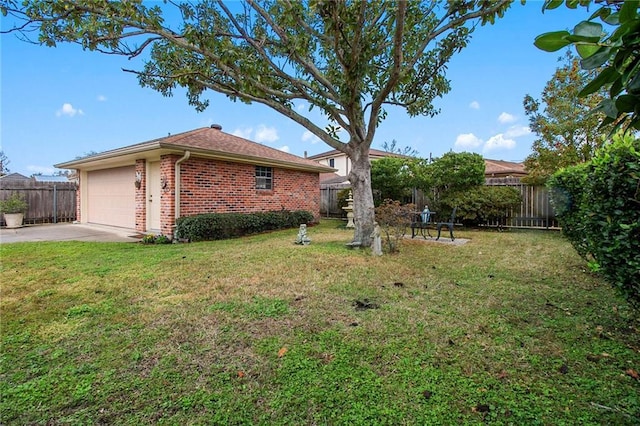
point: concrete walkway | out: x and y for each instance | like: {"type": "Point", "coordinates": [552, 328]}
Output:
{"type": "Point", "coordinates": [68, 232]}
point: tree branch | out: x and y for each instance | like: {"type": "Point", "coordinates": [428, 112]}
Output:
{"type": "Point", "coordinates": [396, 68]}
{"type": "Point", "coordinates": [308, 66]}
{"type": "Point", "coordinates": [453, 24]}
{"type": "Point", "coordinates": [301, 85]}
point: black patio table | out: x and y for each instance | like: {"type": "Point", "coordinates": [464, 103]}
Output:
{"type": "Point", "coordinates": [419, 226]}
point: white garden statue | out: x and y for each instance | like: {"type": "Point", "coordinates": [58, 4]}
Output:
{"type": "Point", "coordinates": [376, 240]}
{"type": "Point", "coordinates": [302, 236]}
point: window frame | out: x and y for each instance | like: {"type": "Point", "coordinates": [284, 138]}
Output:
{"type": "Point", "coordinates": [264, 178]}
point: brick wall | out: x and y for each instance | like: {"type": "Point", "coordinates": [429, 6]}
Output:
{"type": "Point", "coordinates": [167, 198]}
{"type": "Point", "coordinates": [212, 186]}
{"type": "Point", "coordinates": [141, 197]}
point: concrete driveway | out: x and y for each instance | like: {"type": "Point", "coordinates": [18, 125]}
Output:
{"type": "Point", "coordinates": [68, 232]}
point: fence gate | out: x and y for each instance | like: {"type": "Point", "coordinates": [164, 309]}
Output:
{"type": "Point", "coordinates": [329, 199]}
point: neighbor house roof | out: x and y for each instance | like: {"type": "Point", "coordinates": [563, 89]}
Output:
{"type": "Point", "coordinates": [333, 178]}
{"type": "Point", "coordinates": [45, 178]}
{"type": "Point", "coordinates": [206, 142]}
{"type": "Point", "coordinates": [14, 176]}
{"type": "Point", "coordinates": [499, 168]}
{"type": "Point", "coordinates": [373, 153]}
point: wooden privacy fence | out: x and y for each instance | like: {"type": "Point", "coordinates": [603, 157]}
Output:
{"type": "Point", "coordinates": [49, 202]}
{"type": "Point", "coordinates": [535, 210]}
{"type": "Point", "coordinates": [329, 199]}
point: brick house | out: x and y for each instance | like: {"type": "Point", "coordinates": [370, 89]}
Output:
{"type": "Point", "coordinates": [147, 186]}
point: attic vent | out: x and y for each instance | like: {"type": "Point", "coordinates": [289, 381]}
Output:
{"type": "Point", "coordinates": [216, 126]}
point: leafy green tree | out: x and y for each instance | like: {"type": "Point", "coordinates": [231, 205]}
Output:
{"type": "Point", "coordinates": [451, 173]}
{"type": "Point", "coordinates": [568, 132]}
{"type": "Point", "coordinates": [616, 52]}
{"type": "Point", "coordinates": [349, 59]}
{"type": "Point", "coordinates": [391, 179]}
{"type": "Point", "coordinates": [4, 164]}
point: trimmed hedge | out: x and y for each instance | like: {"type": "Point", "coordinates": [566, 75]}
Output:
{"type": "Point", "coordinates": [478, 205]}
{"type": "Point", "coordinates": [598, 206]}
{"type": "Point", "coordinates": [221, 226]}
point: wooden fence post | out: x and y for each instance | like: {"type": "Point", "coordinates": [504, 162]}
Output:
{"type": "Point", "coordinates": [49, 202]}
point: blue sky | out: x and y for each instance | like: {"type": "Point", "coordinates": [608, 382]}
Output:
{"type": "Point", "coordinates": [61, 103]}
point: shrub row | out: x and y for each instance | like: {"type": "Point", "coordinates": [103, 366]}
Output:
{"type": "Point", "coordinates": [220, 226]}
{"type": "Point", "coordinates": [598, 207]}
{"type": "Point", "coordinates": [481, 204]}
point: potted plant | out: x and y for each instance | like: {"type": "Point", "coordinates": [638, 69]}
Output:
{"type": "Point", "coordinates": [13, 209]}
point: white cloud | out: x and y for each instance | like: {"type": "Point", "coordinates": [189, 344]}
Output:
{"type": "Point", "coordinates": [517, 131]}
{"type": "Point", "coordinates": [102, 98]}
{"type": "Point", "coordinates": [474, 105]}
{"type": "Point", "coordinates": [302, 106]}
{"type": "Point", "coordinates": [505, 117]}
{"type": "Point", "coordinates": [68, 110]}
{"type": "Point", "coordinates": [266, 134]}
{"type": "Point", "coordinates": [284, 148]}
{"type": "Point", "coordinates": [245, 132]}
{"type": "Point", "coordinates": [45, 170]}
{"type": "Point", "coordinates": [499, 141]}
{"type": "Point", "coordinates": [307, 136]}
{"type": "Point", "coordinates": [467, 141]}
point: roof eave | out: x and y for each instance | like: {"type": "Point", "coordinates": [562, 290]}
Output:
{"type": "Point", "coordinates": [122, 153]}
{"type": "Point", "coordinates": [109, 155]}
{"type": "Point", "coordinates": [249, 159]}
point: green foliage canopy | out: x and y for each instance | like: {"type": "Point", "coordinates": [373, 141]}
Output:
{"type": "Point", "coordinates": [395, 177]}
{"type": "Point", "coordinates": [598, 206]}
{"type": "Point", "coordinates": [567, 130]}
{"type": "Point", "coordinates": [454, 172]}
{"type": "Point", "coordinates": [391, 178]}
{"type": "Point", "coordinates": [616, 52]}
{"type": "Point", "coordinates": [481, 204]}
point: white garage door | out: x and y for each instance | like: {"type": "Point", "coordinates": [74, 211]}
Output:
{"type": "Point", "coordinates": [111, 197]}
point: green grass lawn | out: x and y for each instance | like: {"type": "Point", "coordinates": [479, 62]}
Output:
{"type": "Point", "coordinates": [509, 328]}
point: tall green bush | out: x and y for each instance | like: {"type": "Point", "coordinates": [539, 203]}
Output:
{"type": "Point", "coordinates": [481, 204]}
{"type": "Point", "coordinates": [599, 205]}
{"type": "Point", "coordinates": [452, 173]}
{"type": "Point", "coordinates": [567, 188]}
{"type": "Point", "coordinates": [391, 179]}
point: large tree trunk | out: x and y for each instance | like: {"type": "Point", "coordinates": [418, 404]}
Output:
{"type": "Point", "coordinates": [363, 208]}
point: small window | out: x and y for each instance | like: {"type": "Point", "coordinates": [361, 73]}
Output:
{"type": "Point", "coordinates": [264, 177]}
{"type": "Point", "coordinates": [332, 162]}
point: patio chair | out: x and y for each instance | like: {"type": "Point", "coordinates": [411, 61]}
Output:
{"type": "Point", "coordinates": [449, 224]}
